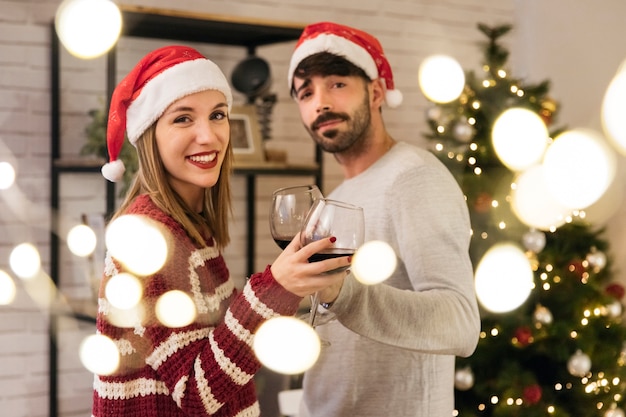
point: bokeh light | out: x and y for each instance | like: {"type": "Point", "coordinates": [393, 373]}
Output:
{"type": "Point", "coordinates": [504, 278]}
{"type": "Point", "coordinates": [25, 260]}
{"type": "Point", "coordinates": [373, 262]}
{"type": "Point", "coordinates": [175, 309]}
{"type": "Point", "coordinates": [578, 168]}
{"type": "Point", "coordinates": [7, 288]}
{"type": "Point", "coordinates": [520, 138]}
{"type": "Point", "coordinates": [99, 354]}
{"type": "Point", "coordinates": [533, 203]}
{"type": "Point", "coordinates": [81, 240]}
{"type": "Point", "coordinates": [286, 345]}
{"type": "Point", "coordinates": [609, 203]}
{"type": "Point", "coordinates": [7, 175]}
{"type": "Point", "coordinates": [614, 110]}
{"type": "Point", "coordinates": [138, 243]}
{"type": "Point", "coordinates": [441, 78]}
{"type": "Point", "coordinates": [123, 291]}
{"type": "Point", "coordinates": [88, 28]}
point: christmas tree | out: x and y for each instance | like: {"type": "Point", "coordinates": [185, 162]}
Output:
{"type": "Point", "coordinates": [560, 351]}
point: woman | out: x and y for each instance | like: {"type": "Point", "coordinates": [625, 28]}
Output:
{"type": "Point", "coordinates": [174, 107]}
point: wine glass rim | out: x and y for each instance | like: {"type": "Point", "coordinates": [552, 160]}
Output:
{"type": "Point", "coordinates": [341, 203]}
{"type": "Point", "coordinates": [309, 187]}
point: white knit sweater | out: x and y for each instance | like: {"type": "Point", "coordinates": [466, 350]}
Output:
{"type": "Point", "coordinates": [393, 346]}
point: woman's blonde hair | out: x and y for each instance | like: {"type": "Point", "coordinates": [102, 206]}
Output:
{"type": "Point", "coordinates": [151, 179]}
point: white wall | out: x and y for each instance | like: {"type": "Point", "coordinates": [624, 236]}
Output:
{"type": "Point", "coordinates": [575, 44]}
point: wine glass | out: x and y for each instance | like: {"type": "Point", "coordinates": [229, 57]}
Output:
{"type": "Point", "coordinates": [332, 218]}
{"type": "Point", "coordinates": [290, 206]}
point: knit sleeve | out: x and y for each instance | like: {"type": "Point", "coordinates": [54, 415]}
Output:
{"type": "Point", "coordinates": [208, 367]}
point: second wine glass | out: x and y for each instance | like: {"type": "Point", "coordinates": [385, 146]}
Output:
{"type": "Point", "coordinates": [332, 218]}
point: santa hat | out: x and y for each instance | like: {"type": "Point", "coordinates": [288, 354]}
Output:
{"type": "Point", "coordinates": [358, 47]}
{"type": "Point", "coordinates": [159, 79]}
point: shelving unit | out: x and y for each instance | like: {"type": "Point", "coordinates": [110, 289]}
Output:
{"type": "Point", "coordinates": [146, 22]}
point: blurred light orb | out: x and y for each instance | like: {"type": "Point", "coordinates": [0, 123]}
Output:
{"type": "Point", "coordinates": [613, 111]}
{"type": "Point", "coordinates": [126, 318]}
{"type": "Point", "coordinates": [25, 260]}
{"type": "Point", "coordinates": [533, 203]}
{"type": "Point", "coordinates": [81, 240]}
{"type": "Point", "coordinates": [286, 345]}
{"type": "Point", "coordinates": [175, 309]}
{"type": "Point", "coordinates": [614, 412]}
{"type": "Point", "coordinates": [609, 203]}
{"type": "Point", "coordinates": [99, 354]}
{"type": "Point", "coordinates": [520, 138]}
{"type": "Point", "coordinates": [441, 78]}
{"type": "Point", "coordinates": [7, 175]}
{"type": "Point", "coordinates": [7, 288]}
{"type": "Point", "coordinates": [578, 168]}
{"type": "Point", "coordinates": [138, 243]}
{"type": "Point", "coordinates": [504, 278]}
{"type": "Point", "coordinates": [123, 291]}
{"type": "Point", "coordinates": [88, 28]}
{"type": "Point", "coordinates": [373, 262]}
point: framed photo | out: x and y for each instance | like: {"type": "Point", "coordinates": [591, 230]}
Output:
{"type": "Point", "coordinates": [245, 134]}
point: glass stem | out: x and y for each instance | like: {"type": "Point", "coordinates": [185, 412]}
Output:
{"type": "Point", "coordinates": [315, 302]}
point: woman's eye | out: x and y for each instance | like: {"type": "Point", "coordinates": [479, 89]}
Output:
{"type": "Point", "coordinates": [181, 119]}
{"type": "Point", "coordinates": [219, 115]}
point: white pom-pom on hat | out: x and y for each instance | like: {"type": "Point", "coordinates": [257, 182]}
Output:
{"type": "Point", "coordinates": [393, 98]}
{"type": "Point", "coordinates": [159, 79]}
{"type": "Point", "coordinates": [113, 171]}
{"type": "Point", "coordinates": [358, 47]}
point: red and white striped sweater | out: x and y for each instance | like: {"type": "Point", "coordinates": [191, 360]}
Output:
{"type": "Point", "coordinates": [204, 369]}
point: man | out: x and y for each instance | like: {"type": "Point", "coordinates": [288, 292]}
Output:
{"type": "Point", "coordinates": [392, 345]}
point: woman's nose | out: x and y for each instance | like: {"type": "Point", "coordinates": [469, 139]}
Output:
{"type": "Point", "coordinates": [205, 132]}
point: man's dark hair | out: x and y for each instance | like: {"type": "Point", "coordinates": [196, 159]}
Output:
{"type": "Point", "coordinates": [325, 64]}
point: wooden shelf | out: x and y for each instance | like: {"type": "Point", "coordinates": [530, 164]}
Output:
{"type": "Point", "coordinates": [150, 22]}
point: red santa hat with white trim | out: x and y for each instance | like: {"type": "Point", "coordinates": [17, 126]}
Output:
{"type": "Point", "coordinates": [159, 79]}
{"type": "Point", "coordinates": [358, 47]}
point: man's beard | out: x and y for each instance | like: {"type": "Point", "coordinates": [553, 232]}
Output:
{"type": "Point", "coordinates": [334, 140]}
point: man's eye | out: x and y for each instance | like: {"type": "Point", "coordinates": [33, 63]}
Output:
{"type": "Point", "coordinates": [304, 95]}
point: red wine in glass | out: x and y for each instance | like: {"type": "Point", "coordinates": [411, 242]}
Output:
{"type": "Point", "coordinates": [333, 218]}
{"type": "Point", "coordinates": [289, 208]}
{"type": "Point", "coordinates": [282, 242]}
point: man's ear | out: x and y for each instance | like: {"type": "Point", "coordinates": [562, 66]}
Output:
{"type": "Point", "coordinates": [377, 92]}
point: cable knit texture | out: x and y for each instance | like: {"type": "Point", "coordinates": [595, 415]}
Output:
{"type": "Point", "coordinates": [203, 369]}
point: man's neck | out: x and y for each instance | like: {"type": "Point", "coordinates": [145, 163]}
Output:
{"type": "Point", "coordinates": [354, 163]}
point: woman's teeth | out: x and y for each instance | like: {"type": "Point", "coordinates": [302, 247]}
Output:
{"type": "Point", "coordinates": [203, 158]}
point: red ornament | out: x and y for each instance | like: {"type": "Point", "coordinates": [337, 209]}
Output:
{"type": "Point", "coordinates": [524, 335]}
{"type": "Point", "coordinates": [482, 204]}
{"type": "Point", "coordinates": [615, 290]}
{"type": "Point", "coordinates": [532, 394]}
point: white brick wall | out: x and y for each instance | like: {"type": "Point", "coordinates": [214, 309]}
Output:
{"type": "Point", "coordinates": [408, 29]}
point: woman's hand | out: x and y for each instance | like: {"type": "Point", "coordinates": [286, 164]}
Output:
{"type": "Point", "coordinates": [294, 272]}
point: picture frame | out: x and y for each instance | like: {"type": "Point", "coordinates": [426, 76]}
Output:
{"type": "Point", "coordinates": [245, 134]}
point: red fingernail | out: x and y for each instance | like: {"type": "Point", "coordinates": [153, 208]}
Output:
{"type": "Point", "coordinates": [333, 239]}
{"type": "Point", "coordinates": [349, 259]}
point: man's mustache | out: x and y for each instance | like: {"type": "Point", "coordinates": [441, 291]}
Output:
{"type": "Point", "coordinates": [328, 117]}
